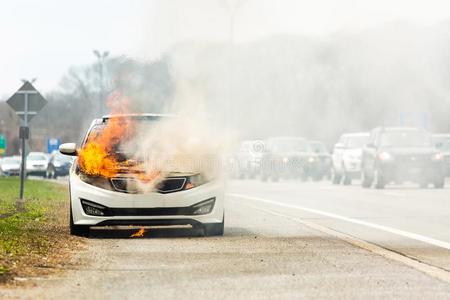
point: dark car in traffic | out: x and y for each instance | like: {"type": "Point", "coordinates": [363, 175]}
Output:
{"type": "Point", "coordinates": [58, 165]}
{"type": "Point", "coordinates": [319, 160]}
{"type": "Point", "coordinates": [442, 143]}
{"type": "Point", "coordinates": [399, 154]}
{"type": "Point", "coordinates": [286, 157]}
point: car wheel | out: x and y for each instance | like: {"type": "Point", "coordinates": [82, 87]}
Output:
{"type": "Point", "coordinates": [78, 230]}
{"type": "Point", "coordinates": [214, 229]}
{"type": "Point", "coordinates": [335, 178]}
{"type": "Point", "coordinates": [379, 180]}
{"type": "Point", "coordinates": [439, 184]}
{"type": "Point", "coordinates": [365, 182]}
{"type": "Point", "coordinates": [347, 179]}
{"type": "Point", "coordinates": [423, 184]}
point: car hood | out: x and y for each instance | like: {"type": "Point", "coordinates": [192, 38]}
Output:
{"type": "Point", "coordinates": [410, 150]}
{"type": "Point", "coordinates": [10, 166]}
{"type": "Point", "coordinates": [353, 152]}
{"type": "Point", "coordinates": [293, 154]}
{"type": "Point", "coordinates": [36, 162]}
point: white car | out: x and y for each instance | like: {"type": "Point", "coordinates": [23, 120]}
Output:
{"type": "Point", "coordinates": [10, 166]}
{"type": "Point", "coordinates": [346, 158]}
{"type": "Point", "coordinates": [181, 198]}
{"type": "Point", "coordinates": [36, 164]}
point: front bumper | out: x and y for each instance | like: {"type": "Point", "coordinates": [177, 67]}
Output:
{"type": "Point", "coordinates": [145, 209]}
{"type": "Point", "coordinates": [353, 165]}
{"type": "Point", "coordinates": [416, 172]}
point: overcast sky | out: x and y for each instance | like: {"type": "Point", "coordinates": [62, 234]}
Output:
{"type": "Point", "coordinates": [44, 38]}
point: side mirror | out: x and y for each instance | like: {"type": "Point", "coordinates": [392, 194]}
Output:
{"type": "Point", "coordinates": [68, 149]}
{"type": "Point", "coordinates": [339, 146]}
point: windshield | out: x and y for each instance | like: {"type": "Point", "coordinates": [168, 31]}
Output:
{"type": "Point", "coordinates": [355, 142]}
{"type": "Point", "coordinates": [289, 145]}
{"type": "Point", "coordinates": [10, 160]}
{"type": "Point", "coordinates": [318, 148]}
{"type": "Point", "coordinates": [405, 139]}
{"type": "Point", "coordinates": [62, 158]}
{"type": "Point", "coordinates": [36, 156]}
{"type": "Point", "coordinates": [445, 145]}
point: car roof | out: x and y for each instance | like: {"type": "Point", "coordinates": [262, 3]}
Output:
{"type": "Point", "coordinates": [287, 138]}
{"type": "Point", "coordinates": [355, 134]}
{"type": "Point", "coordinates": [441, 135]}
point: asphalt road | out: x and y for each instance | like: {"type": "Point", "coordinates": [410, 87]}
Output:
{"type": "Point", "coordinates": [282, 240]}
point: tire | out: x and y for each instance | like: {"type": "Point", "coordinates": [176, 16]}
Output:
{"type": "Point", "coordinates": [423, 185]}
{"type": "Point", "coordinates": [439, 184]}
{"type": "Point", "coordinates": [78, 230]}
{"type": "Point", "coordinates": [214, 229]}
{"type": "Point", "coordinates": [379, 181]}
{"type": "Point", "coordinates": [347, 179]}
{"type": "Point", "coordinates": [335, 178]}
{"type": "Point", "coordinates": [365, 182]}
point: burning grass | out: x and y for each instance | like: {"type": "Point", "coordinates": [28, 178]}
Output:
{"type": "Point", "coordinates": [36, 241]}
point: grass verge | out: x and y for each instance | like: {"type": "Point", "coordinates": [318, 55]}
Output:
{"type": "Point", "coordinates": [36, 241]}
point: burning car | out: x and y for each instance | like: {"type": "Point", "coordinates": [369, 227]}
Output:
{"type": "Point", "coordinates": [112, 185]}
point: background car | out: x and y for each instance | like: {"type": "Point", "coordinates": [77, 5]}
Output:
{"type": "Point", "coordinates": [346, 157]}
{"type": "Point", "coordinates": [10, 166]}
{"type": "Point", "coordinates": [36, 164]}
{"type": "Point", "coordinates": [247, 159]}
{"type": "Point", "coordinates": [285, 157]}
{"type": "Point", "coordinates": [399, 154]}
{"type": "Point", "coordinates": [58, 165]}
{"type": "Point", "coordinates": [442, 143]}
{"type": "Point", "coordinates": [320, 160]}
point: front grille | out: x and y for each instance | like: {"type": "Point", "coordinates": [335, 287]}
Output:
{"type": "Point", "coordinates": [125, 184]}
{"type": "Point", "coordinates": [413, 159]}
{"type": "Point", "coordinates": [171, 185]}
{"type": "Point", "coordinates": [131, 185]}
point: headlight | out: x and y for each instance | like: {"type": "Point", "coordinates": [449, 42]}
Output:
{"type": "Point", "coordinates": [98, 181]}
{"type": "Point", "coordinates": [438, 156]}
{"type": "Point", "coordinates": [311, 159]}
{"type": "Point", "coordinates": [194, 181]}
{"type": "Point", "coordinates": [385, 156]}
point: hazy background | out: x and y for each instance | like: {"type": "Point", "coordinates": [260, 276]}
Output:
{"type": "Point", "coordinates": [259, 68]}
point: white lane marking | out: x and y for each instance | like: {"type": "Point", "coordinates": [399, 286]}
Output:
{"type": "Point", "coordinates": [395, 194]}
{"type": "Point", "coordinates": [407, 234]}
{"type": "Point", "coordinates": [386, 253]}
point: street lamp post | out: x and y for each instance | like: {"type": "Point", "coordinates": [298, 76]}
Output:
{"type": "Point", "coordinates": [101, 61]}
{"type": "Point", "coordinates": [232, 8]}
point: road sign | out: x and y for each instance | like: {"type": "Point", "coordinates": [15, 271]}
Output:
{"type": "Point", "coordinates": [53, 145]}
{"type": "Point", "coordinates": [26, 102]}
{"type": "Point", "coordinates": [2, 144]}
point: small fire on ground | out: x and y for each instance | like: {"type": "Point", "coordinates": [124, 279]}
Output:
{"type": "Point", "coordinates": [139, 233]}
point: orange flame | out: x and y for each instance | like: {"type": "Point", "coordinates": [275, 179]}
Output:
{"type": "Point", "coordinates": [139, 233]}
{"type": "Point", "coordinates": [97, 156]}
